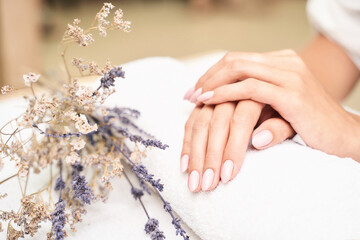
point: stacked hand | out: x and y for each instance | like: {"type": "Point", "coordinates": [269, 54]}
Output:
{"type": "Point", "coordinates": [265, 98]}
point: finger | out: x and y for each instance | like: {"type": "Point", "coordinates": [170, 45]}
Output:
{"type": "Point", "coordinates": [240, 70]}
{"type": "Point", "coordinates": [185, 152]}
{"type": "Point", "coordinates": [242, 124]}
{"type": "Point", "coordinates": [218, 135]}
{"type": "Point", "coordinates": [248, 89]}
{"type": "Point", "coordinates": [272, 59]}
{"type": "Point", "coordinates": [199, 139]}
{"type": "Point", "coordinates": [271, 132]}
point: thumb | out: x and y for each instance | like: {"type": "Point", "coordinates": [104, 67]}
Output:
{"type": "Point", "coordinates": [271, 132]}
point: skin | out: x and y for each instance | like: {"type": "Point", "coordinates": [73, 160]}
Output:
{"type": "Point", "coordinates": [278, 91]}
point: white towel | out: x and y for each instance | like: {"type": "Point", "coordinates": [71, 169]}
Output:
{"type": "Point", "coordinates": [286, 192]}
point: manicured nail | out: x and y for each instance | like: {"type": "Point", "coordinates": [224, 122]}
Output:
{"type": "Point", "coordinates": [207, 179]}
{"type": "Point", "coordinates": [189, 93]}
{"type": "Point", "coordinates": [205, 96]}
{"type": "Point", "coordinates": [262, 139]}
{"type": "Point", "coordinates": [226, 171]}
{"type": "Point", "coordinates": [184, 163]}
{"type": "Point", "coordinates": [195, 95]}
{"type": "Point", "coordinates": [193, 180]}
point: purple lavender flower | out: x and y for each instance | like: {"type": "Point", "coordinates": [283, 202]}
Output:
{"type": "Point", "coordinates": [136, 192]}
{"type": "Point", "coordinates": [78, 167]}
{"type": "Point", "coordinates": [82, 191]}
{"type": "Point", "coordinates": [157, 235]}
{"type": "Point", "coordinates": [109, 78]}
{"type": "Point", "coordinates": [151, 225]}
{"type": "Point", "coordinates": [179, 229]}
{"type": "Point", "coordinates": [59, 184]}
{"type": "Point", "coordinates": [142, 172]}
{"type": "Point", "coordinates": [143, 185]}
{"type": "Point", "coordinates": [167, 207]}
{"type": "Point", "coordinates": [58, 220]}
{"type": "Point", "coordinates": [125, 111]}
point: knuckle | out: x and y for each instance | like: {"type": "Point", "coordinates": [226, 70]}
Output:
{"type": "Point", "coordinates": [212, 157]}
{"type": "Point", "coordinates": [236, 66]}
{"type": "Point", "coordinates": [200, 126]}
{"type": "Point", "coordinates": [188, 125]}
{"type": "Point", "coordinates": [186, 143]}
{"type": "Point", "coordinates": [217, 121]}
{"type": "Point", "coordinates": [229, 56]}
{"type": "Point", "coordinates": [241, 120]}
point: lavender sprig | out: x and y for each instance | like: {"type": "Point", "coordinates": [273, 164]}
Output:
{"type": "Point", "coordinates": [143, 185]}
{"type": "Point", "coordinates": [152, 225]}
{"type": "Point", "coordinates": [175, 221]}
{"type": "Point", "coordinates": [82, 191]}
{"type": "Point", "coordinates": [139, 139]}
{"type": "Point", "coordinates": [140, 170]}
{"type": "Point", "coordinates": [58, 220]}
{"type": "Point", "coordinates": [137, 193]}
{"type": "Point", "coordinates": [108, 79]}
{"type": "Point", "coordinates": [125, 111]}
{"type": "Point", "coordinates": [59, 184]}
{"type": "Point", "coordinates": [64, 135]}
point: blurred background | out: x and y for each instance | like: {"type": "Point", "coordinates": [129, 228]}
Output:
{"type": "Point", "coordinates": [31, 30]}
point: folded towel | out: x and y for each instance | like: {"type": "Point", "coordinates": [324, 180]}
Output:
{"type": "Point", "coordinates": [287, 192]}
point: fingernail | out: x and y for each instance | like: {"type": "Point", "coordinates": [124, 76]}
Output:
{"type": "Point", "coordinates": [262, 139]}
{"type": "Point", "coordinates": [184, 162]}
{"type": "Point", "coordinates": [195, 95]}
{"type": "Point", "coordinates": [226, 171]}
{"type": "Point", "coordinates": [205, 96]}
{"type": "Point", "coordinates": [207, 179]}
{"type": "Point", "coordinates": [193, 180]}
{"type": "Point", "coordinates": [189, 93]}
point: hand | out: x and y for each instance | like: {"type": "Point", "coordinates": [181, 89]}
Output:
{"type": "Point", "coordinates": [283, 81]}
{"type": "Point", "coordinates": [216, 139]}
{"type": "Point", "coordinates": [273, 129]}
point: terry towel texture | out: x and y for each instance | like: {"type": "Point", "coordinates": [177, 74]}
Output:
{"type": "Point", "coordinates": [287, 192]}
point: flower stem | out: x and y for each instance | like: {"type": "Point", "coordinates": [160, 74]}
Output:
{"type": "Point", "coordinates": [142, 204]}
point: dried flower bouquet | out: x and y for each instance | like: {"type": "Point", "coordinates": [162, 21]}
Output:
{"type": "Point", "coordinates": [81, 144]}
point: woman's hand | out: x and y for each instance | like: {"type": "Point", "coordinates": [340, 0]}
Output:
{"type": "Point", "coordinates": [216, 139]}
{"type": "Point", "coordinates": [282, 80]}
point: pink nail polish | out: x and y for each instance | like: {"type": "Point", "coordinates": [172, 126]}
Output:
{"type": "Point", "coordinates": [184, 162]}
{"type": "Point", "coordinates": [205, 96]}
{"type": "Point", "coordinates": [195, 95]}
{"type": "Point", "coordinates": [262, 139]}
{"type": "Point", "coordinates": [193, 180]}
{"type": "Point", "coordinates": [207, 180]}
{"type": "Point", "coordinates": [189, 93]}
{"type": "Point", "coordinates": [226, 171]}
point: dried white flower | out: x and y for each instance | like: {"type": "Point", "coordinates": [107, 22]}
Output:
{"type": "Point", "coordinates": [119, 21]}
{"type": "Point", "coordinates": [78, 144]}
{"type": "Point", "coordinates": [30, 78]}
{"type": "Point", "coordinates": [72, 159]}
{"type": "Point", "coordinates": [77, 34]}
{"type": "Point", "coordinates": [82, 124]}
{"type": "Point", "coordinates": [6, 89]}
